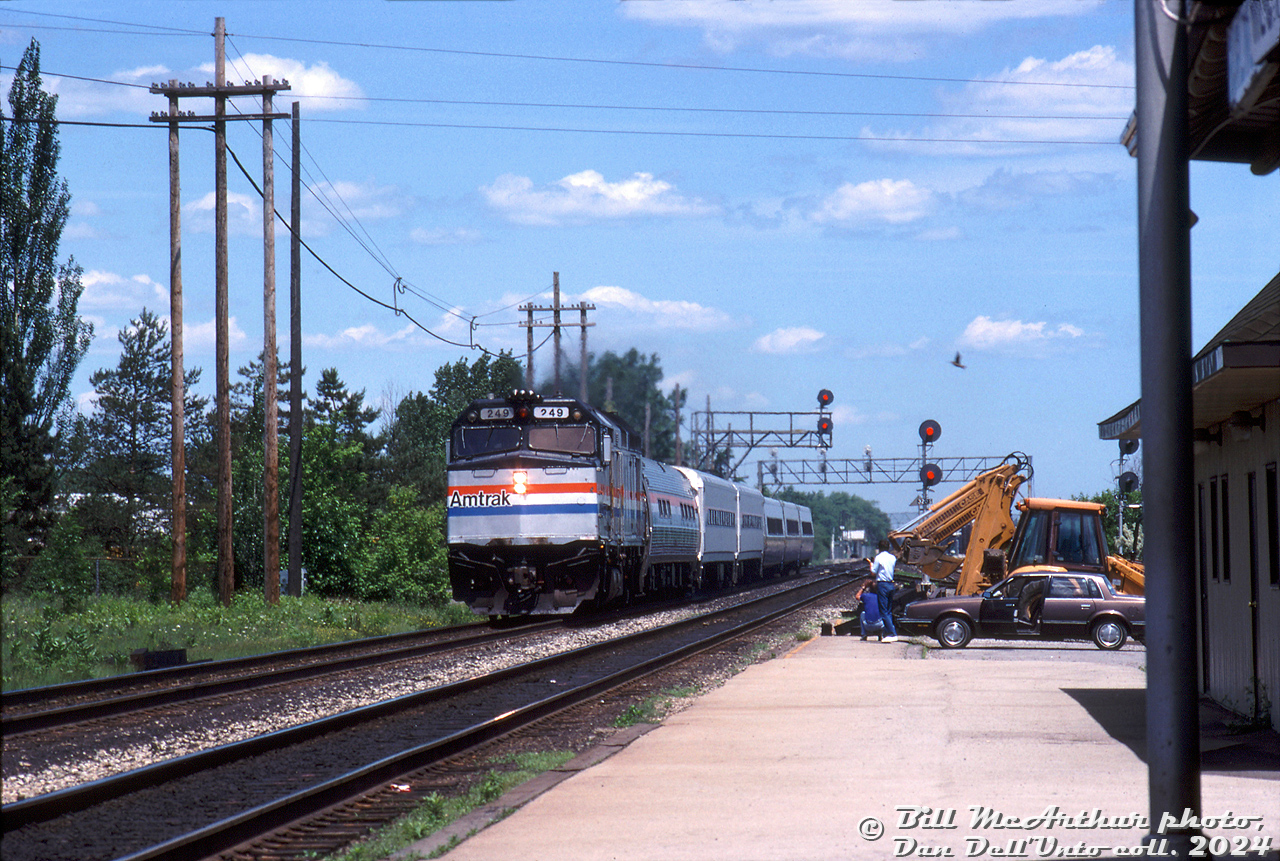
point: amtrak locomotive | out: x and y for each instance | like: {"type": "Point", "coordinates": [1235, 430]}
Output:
{"type": "Point", "coordinates": [552, 507]}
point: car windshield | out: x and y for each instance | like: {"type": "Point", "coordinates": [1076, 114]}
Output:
{"type": "Point", "coordinates": [472, 442]}
{"type": "Point", "coordinates": [573, 439]}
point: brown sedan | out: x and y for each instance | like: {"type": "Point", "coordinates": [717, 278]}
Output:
{"type": "Point", "coordinates": [1036, 605]}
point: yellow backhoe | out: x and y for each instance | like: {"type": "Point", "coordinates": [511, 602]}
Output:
{"type": "Point", "coordinates": [1051, 534]}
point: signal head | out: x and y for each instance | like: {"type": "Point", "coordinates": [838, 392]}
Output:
{"type": "Point", "coordinates": [930, 431]}
{"type": "Point", "coordinates": [825, 398]}
{"type": "Point", "coordinates": [930, 474]}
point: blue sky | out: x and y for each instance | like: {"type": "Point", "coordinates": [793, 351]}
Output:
{"type": "Point", "coordinates": [774, 197]}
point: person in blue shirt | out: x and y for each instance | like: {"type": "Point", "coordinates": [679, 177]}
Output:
{"type": "Point", "coordinates": [869, 615]}
{"type": "Point", "coordinates": [882, 568]}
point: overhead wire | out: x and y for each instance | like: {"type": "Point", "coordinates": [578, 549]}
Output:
{"type": "Point", "coordinates": [370, 245]}
{"type": "Point", "coordinates": [594, 60]}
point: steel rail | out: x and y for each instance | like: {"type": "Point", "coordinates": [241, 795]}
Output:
{"type": "Point", "coordinates": [80, 712]}
{"type": "Point", "coordinates": [52, 805]}
{"type": "Point", "coordinates": [250, 824]}
{"type": "Point", "coordinates": [27, 696]}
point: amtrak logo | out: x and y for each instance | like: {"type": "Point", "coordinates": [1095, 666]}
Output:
{"type": "Point", "coordinates": [479, 500]}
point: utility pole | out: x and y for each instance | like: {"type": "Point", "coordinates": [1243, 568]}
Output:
{"type": "Point", "coordinates": [679, 447]}
{"type": "Point", "coordinates": [270, 430]}
{"type": "Point", "coordinates": [226, 552]}
{"type": "Point", "coordinates": [556, 308]}
{"type": "Point", "coordinates": [178, 447]}
{"type": "Point", "coordinates": [219, 91]}
{"type": "Point", "coordinates": [295, 365]}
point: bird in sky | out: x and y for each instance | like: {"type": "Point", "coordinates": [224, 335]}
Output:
{"type": "Point", "coordinates": [956, 361]}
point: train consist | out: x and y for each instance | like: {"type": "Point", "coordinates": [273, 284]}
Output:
{"type": "Point", "coordinates": [552, 507]}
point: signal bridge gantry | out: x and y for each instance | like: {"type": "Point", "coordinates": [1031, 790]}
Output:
{"type": "Point", "coordinates": [864, 470]}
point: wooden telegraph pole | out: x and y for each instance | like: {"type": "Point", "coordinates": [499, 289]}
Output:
{"type": "Point", "coordinates": [556, 309]}
{"type": "Point", "coordinates": [270, 430]}
{"type": "Point", "coordinates": [178, 448]}
{"type": "Point", "coordinates": [219, 91]}
{"type": "Point", "coordinates": [295, 366]}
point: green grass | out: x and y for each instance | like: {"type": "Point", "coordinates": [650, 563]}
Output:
{"type": "Point", "coordinates": [46, 642]}
{"type": "Point", "coordinates": [653, 709]}
{"type": "Point", "coordinates": [438, 811]}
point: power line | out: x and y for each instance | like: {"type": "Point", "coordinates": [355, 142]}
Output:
{"type": "Point", "coordinates": [655, 108]}
{"type": "Point", "coordinates": [692, 66]}
{"type": "Point", "coordinates": [662, 132]}
{"type": "Point", "coordinates": [596, 60]}
{"type": "Point", "coordinates": [686, 109]}
{"type": "Point", "coordinates": [176, 31]}
{"type": "Point", "coordinates": [399, 312]}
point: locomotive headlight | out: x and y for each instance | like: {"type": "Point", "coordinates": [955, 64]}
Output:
{"type": "Point", "coordinates": [520, 482]}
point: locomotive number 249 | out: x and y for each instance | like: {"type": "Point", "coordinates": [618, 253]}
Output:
{"type": "Point", "coordinates": [550, 412]}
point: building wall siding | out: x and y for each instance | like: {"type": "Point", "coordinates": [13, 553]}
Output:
{"type": "Point", "coordinates": [1233, 639]}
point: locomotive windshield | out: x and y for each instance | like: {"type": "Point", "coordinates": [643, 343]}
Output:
{"type": "Point", "coordinates": [572, 439]}
{"type": "Point", "coordinates": [469, 442]}
{"type": "Point", "coordinates": [475, 441]}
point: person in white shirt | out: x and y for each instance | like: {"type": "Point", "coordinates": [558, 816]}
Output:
{"type": "Point", "coordinates": [882, 568]}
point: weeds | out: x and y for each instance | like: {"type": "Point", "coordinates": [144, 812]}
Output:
{"type": "Point", "coordinates": [437, 811]}
{"type": "Point", "coordinates": [48, 639]}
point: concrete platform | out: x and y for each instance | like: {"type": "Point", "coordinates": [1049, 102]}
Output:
{"type": "Point", "coordinates": [829, 752]}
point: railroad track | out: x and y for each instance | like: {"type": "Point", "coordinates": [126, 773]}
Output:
{"type": "Point", "coordinates": [77, 702]}
{"type": "Point", "coordinates": [207, 803]}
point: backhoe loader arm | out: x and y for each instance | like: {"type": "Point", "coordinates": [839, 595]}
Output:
{"type": "Point", "coordinates": [984, 504]}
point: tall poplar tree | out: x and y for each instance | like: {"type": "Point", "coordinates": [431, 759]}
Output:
{"type": "Point", "coordinates": [42, 338]}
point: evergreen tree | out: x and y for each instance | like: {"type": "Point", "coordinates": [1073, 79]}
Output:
{"type": "Point", "coordinates": [624, 385]}
{"type": "Point", "coordinates": [42, 338]}
{"type": "Point", "coordinates": [342, 410]}
{"type": "Point", "coordinates": [414, 439]}
{"type": "Point", "coordinates": [127, 440]}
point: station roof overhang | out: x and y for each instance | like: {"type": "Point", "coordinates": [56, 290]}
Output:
{"type": "Point", "coordinates": [1233, 84]}
{"type": "Point", "coordinates": [1238, 370]}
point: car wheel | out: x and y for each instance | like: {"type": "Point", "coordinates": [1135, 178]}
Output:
{"type": "Point", "coordinates": [954, 633]}
{"type": "Point", "coordinates": [1109, 634]}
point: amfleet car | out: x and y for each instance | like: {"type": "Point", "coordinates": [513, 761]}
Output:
{"type": "Point", "coordinates": [1032, 605]}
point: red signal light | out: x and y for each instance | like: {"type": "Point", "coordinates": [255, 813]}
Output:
{"type": "Point", "coordinates": [930, 474]}
{"type": "Point", "coordinates": [930, 431]}
{"type": "Point", "coordinates": [825, 398]}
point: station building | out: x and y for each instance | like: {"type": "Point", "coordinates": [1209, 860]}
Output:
{"type": "Point", "coordinates": [1233, 115]}
{"type": "Point", "coordinates": [1236, 413]}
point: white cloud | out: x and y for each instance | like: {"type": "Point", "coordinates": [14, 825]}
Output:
{"type": "Point", "coordinates": [660, 313]}
{"type": "Point", "coordinates": [317, 87]}
{"type": "Point", "coordinates": [244, 213]}
{"type": "Point", "coordinates": [882, 29]}
{"type": "Point", "coordinates": [984, 333]}
{"type": "Point", "coordinates": [877, 201]}
{"type": "Point", "coordinates": [880, 349]}
{"type": "Point", "coordinates": [588, 196]}
{"type": "Point", "coordinates": [444, 236]}
{"type": "Point", "coordinates": [112, 291]}
{"type": "Point", "coordinates": [367, 335]}
{"type": "Point", "coordinates": [362, 200]}
{"type": "Point", "coordinates": [799, 339]}
{"type": "Point", "coordinates": [1084, 96]}
{"type": "Point", "coordinates": [203, 336]}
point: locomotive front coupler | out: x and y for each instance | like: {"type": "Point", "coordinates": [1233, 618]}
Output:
{"type": "Point", "coordinates": [518, 578]}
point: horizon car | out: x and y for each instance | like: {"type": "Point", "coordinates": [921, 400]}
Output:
{"type": "Point", "coordinates": [1038, 605]}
